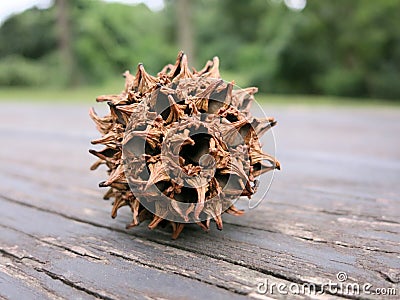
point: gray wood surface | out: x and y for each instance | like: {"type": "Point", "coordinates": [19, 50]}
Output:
{"type": "Point", "coordinates": [334, 207]}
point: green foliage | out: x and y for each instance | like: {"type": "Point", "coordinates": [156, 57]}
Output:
{"type": "Point", "coordinates": [30, 34]}
{"type": "Point", "coordinates": [106, 45]}
{"type": "Point", "coordinates": [107, 39]}
{"type": "Point", "coordinates": [17, 70]}
{"type": "Point", "coordinates": [341, 48]}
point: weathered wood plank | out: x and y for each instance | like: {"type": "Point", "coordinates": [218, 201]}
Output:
{"type": "Point", "coordinates": [109, 264]}
{"type": "Point", "coordinates": [310, 212]}
{"type": "Point", "coordinates": [266, 256]}
{"type": "Point", "coordinates": [329, 209]}
{"type": "Point", "coordinates": [55, 251]}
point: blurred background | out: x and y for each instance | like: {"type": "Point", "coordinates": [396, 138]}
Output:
{"type": "Point", "coordinates": [293, 50]}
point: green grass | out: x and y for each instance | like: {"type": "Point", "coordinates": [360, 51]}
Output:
{"type": "Point", "coordinates": [323, 100]}
{"type": "Point", "coordinates": [61, 95]}
{"type": "Point", "coordinates": [89, 94]}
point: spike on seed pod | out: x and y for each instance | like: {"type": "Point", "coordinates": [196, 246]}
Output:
{"type": "Point", "coordinates": [181, 147]}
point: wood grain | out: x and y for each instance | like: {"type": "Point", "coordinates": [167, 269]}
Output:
{"type": "Point", "coordinates": [334, 207]}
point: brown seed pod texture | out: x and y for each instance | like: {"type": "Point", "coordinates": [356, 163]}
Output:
{"type": "Point", "coordinates": [180, 147]}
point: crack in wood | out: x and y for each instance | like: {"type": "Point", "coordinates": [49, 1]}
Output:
{"type": "Point", "coordinates": [392, 278]}
{"type": "Point", "coordinates": [49, 241]}
{"type": "Point", "coordinates": [74, 284]}
{"type": "Point", "coordinates": [225, 287]}
{"type": "Point", "coordinates": [75, 250]}
{"type": "Point", "coordinates": [15, 271]}
{"type": "Point", "coordinates": [18, 258]}
{"type": "Point", "coordinates": [345, 245]}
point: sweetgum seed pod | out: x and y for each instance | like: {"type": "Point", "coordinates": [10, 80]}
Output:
{"type": "Point", "coordinates": [180, 147]}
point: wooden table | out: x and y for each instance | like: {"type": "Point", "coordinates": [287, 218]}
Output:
{"type": "Point", "coordinates": [334, 207]}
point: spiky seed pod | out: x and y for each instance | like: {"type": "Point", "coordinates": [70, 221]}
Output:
{"type": "Point", "coordinates": [180, 147]}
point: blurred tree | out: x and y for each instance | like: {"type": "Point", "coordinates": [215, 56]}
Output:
{"type": "Point", "coordinates": [64, 39]}
{"type": "Point", "coordinates": [29, 34]}
{"type": "Point", "coordinates": [111, 37]}
{"type": "Point", "coordinates": [26, 44]}
{"type": "Point", "coordinates": [345, 48]}
{"type": "Point", "coordinates": [185, 23]}
{"type": "Point", "coordinates": [81, 42]}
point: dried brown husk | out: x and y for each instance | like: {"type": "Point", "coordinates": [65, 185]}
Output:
{"type": "Point", "coordinates": [137, 113]}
